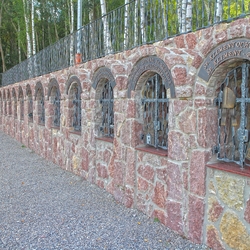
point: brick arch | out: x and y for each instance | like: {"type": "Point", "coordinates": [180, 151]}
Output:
{"type": "Point", "coordinates": [151, 65]}
{"type": "Point", "coordinates": [103, 73]}
{"type": "Point", "coordinates": [38, 87]}
{"type": "Point", "coordinates": [73, 79]}
{"type": "Point", "coordinates": [53, 83]}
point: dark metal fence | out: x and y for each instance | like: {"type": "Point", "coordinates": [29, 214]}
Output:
{"type": "Point", "coordinates": [131, 25]}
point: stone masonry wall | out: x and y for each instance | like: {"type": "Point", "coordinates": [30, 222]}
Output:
{"type": "Point", "coordinates": [170, 186]}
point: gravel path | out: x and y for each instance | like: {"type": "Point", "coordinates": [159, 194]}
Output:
{"type": "Point", "coordinates": [45, 207]}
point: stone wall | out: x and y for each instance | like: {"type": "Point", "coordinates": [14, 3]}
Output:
{"type": "Point", "coordinates": [227, 210]}
{"type": "Point", "coordinates": [168, 185]}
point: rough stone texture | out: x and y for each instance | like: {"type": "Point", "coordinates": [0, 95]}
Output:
{"type": "Point", "coordinates": [231, 190]}
{"type": "Point", "coordinates": [213, 239]}
{"type": "Point", "coordinates": [233, 232]}
{"type": "Point", "coordinates": [187, 121]}
{"type": "Point", "coordinates": [198, 172]}
{"type": "Point", "coordinates": [195, 218]}
{"type": "Point", "coordinates": [214, 209]}
{"type": "Point", "coordinates": [247, 212]}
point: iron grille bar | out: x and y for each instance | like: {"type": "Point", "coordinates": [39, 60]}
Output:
{"type": "Point", "coordinates": [233, 116]}
{"type": "Point", "coordinates": [77, 109]}
{"type": "Point", "coordinates": [155, 113]}
{"type": "Point", "coordinates": [57, 114]}
{"type": "Point", "coordinates": [107, 102]}
{"type": "Point", "coordinates": [139, 22]}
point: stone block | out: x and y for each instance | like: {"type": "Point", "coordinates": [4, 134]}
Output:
{"type": "Point", "coordinates": [146, 172]}
{"type": "Point", "coordinates": [187, 121]}
{"type": "Point", "coordinates": [231, 190]}
{"type": "Point", "coordinates": [234, 232]}
{"type": "Point", "coordinates": [177, 146]}
{"type": "Point", "coordinates": [247, 212]}
{"type": "Point", "coordinates": [179, 76]}
{"type": "Point", "coordinates": [213, 239]}
{"type": "Point", "coordinates": [191, 40]}
{"type": "Point", "coordinates": [174, 182]}
{"type": "Point", "coordinates": [215, 209]}
{"type": "Point", "coordinates": [174, 216]}
{"type": "Point", "coordinates": [207, 127]}
{"type": "Point", "coordinates": [195, 219]}
{"type": "Point", "coordinates": [160, 195]}
{"type": "Point", "coordinates": [198, 171]}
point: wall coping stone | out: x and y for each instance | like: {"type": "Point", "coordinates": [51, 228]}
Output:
{"type": "Point", "coordinates": [230, 167]}
{"type": "Point", "coordinates": [151, 150]}
{"type": "Point", "coordinates": [105, 138]}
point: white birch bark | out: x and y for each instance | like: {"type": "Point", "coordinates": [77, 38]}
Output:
{"type": "Point", "coordinates": [1, 47]}
{"type": "Point", "coordinates": [33, 28]}
{"type": "Point", "coordinates": [126, 24]}
{"type": "Point", "coordinates": [136, 23]}
{"type": "Point", "coordinates": [72, 56]}
{"type": "Point", "coordinates": [189, 16]}
{"type": "Point", "coordinates": [142, 21]}
{"type": "Point", "coordinates": [164, 16]}
{"type": "Point", "coordinates": [179, 14]}
{"type": "Point", "coordinates": [106, 33]}
{"type": "Point", "coordinates": [183, 15]}
{"type": "Point", "coordinates": [27, 24]}
{"type": "Point", "coordinates": [218, 10]}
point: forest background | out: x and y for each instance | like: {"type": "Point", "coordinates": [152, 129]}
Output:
{"type": "Point", "coordinates": [28, 26]}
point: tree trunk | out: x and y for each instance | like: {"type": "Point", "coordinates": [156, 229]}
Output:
{"type": "Point", "coordinates": [136, 24]}
{"type": "Point", "coordinates": [142, 23]}
{"type": "Point", "coordinates": [189, 16]}
{"type": "Point", "coordinates": [218, 10]}
{"type": "Point", "coordinates": [33, 28]}
{"type": "Point", "coordinates": [126, 24]}
{"type": "Point", "coordinates": [106, 33]}
{"type": "Point", "coordinates": [1, 47]}
{"type": "Point", "coordinates": [27, 24]}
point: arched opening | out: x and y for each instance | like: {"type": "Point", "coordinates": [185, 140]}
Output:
{"type": "Point", "coordinates": [104, 84]}
{"type": "Point", "coordinates": [30, 103]}
{"type": "Point", "coordinates": [153, 86]}
{"type": "Point", "coordinates": [39, 97]}
{"type": "Point", "coordinates": [54, 96]}
{"type": "Point", "coordinates": [21, 102]}
{"type": "Point", "coordinates": [74, 91]}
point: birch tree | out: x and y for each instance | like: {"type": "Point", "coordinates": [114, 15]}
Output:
{"type": "Point", "coordinates": [126, 24]}
{"type": "Point", "coordinates": [184, 12]}
{"type": "Point", "coordinates": [106, 33]}
{"type": "Point", "coordinates": [1, 46]}
{"type": "Point", "coordinates": [33, 28]}
{"type": "Point", "coordinates": [27, 27]}
{"type": "Point", "coordinates": [136, 23]}
{"type": "Point", "coordinates": [218, 10]}
{"type": "Point", "coordinates": [142, 21]}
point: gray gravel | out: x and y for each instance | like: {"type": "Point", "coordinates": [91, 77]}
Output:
{"type": "Point", "coordinates": [45, 207]}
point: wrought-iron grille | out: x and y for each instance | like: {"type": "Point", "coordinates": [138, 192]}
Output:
{"type": "Point", "coordinates": [9, 106]}
{"type": "Point", "coordinates": [107, 102]}
{"type": "Point", "coordinates": [234, 117]}
{"type": "Point", "coordinates": [56, 103]}
{"type": "Point", "coordinates": [22, 108]}
{"type": "Point", "coordinates": [15, 108]}
{"type": "Point", "coordinates": [30, 107]}
{"type": "Point", "coordinates": [42, 110]}
{"type": "Point", "coordinates": [155, 113]}
{"type": "Point", "coordinates": [77, 109]}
